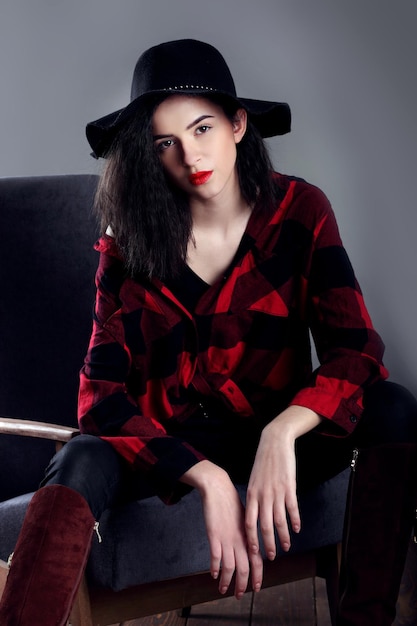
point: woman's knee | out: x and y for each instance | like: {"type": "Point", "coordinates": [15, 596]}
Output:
{"type": "Point", "coordinates": [390, 414]}
{"type": "Point", "coordinates": [91, 467]}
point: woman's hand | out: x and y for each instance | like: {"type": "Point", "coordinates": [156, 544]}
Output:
{"type": "Point", "coordinates": [272, 489]}
{"type": "Point", "coordinates": [224, 517]}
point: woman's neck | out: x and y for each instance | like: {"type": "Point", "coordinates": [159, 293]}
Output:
{"type": "Point", "coordinates": [221, 212]}
{"type": "Point", "coordinates": [217, 233]}
{"type": "Point", "coordinates": [215, 217]}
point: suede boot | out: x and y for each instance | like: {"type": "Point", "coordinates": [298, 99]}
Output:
{"type": "Point", "coordinates": [49, 559]}
{"type": "Point", "coordinates": [379, 520]}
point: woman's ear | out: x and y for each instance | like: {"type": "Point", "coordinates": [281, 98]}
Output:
{"type": "Point", "coordinates": [239, 124]}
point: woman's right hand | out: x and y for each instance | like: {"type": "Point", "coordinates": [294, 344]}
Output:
{"type": "Point", "coordinates": [224, 517]}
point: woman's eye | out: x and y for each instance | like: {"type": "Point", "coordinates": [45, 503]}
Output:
{"type": "Point", "coordinates": [164, 145]}
{"type": "Point", "coordinates": [202, 129]}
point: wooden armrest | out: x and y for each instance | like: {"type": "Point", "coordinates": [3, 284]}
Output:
{"type": "Point", "coordinates": [43, 430]}
{"type": "Point", "coordinates": [4, 570]}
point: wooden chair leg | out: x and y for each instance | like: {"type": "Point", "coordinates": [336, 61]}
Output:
{"type": "Point", "coordinates": [185, 612]}
{"type": "Point", "coordinates": [81, 611]}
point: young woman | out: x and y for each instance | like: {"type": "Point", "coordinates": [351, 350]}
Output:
{"type": "Point", "coordinates": [213, 271]}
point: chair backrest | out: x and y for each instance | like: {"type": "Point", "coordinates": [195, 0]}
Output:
{"type": "Point", "coordinates": [47, 266]}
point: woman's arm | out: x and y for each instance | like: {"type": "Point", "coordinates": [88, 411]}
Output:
{"type": "Point", "coordinates": [350, 355]}
{"type": "Point", "coordinates": [348, 347]}
{"type": "Point", "coordinates": [108, 407]}
{"type": "Point", "coordinates": [272, 489]}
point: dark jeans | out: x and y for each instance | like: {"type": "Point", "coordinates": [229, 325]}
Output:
{"type": "Point", "coordinates": [91, 467]}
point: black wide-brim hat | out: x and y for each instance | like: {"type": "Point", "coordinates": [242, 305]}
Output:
{"type": "Point", "coordinates": [185, 66]}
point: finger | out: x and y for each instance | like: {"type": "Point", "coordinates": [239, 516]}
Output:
{"type": "Point", "coordinates": [294, 513]}
{"type": "Point", "coordinates": [215, 559]}
{"type": "Point", "coordinates": [266, 523]}
{"type": "Point", "coordinates": [251, 527]}
{"type": "Point", "coordinates": [242, 572]}
{"type": "Point", "coordinates": [227, 570]}
{"type": "Point", "coordinates": [281, 525]}
{"type": "Point", "coordinates": [257, 570]}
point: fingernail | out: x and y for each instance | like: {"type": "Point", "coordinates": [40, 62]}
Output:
{"type": "Point", "coordinates": [223, 589]}
{"type": "Point", "coordinates": [257, 587]}
{"type": "Point", "coordinates": [286, 546]}
{"type": "Point", "coordinates": [271, 556]}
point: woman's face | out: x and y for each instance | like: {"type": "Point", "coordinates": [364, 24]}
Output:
{"type": "Point", "coordinates": [196, 143]}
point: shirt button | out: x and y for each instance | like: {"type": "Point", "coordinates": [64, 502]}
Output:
{"type": "Point", "coordinates": [353, 419]}
{"type": "Point", "coordinates": [203, 410]}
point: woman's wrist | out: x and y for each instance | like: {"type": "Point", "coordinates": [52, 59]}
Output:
{"type": "Point", "coordinates": [204, 475]}
{"type": "Point", "coordinates": [293, 422]}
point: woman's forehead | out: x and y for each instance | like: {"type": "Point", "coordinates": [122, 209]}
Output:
{"type": "Point", "coordinates": [180, 108]}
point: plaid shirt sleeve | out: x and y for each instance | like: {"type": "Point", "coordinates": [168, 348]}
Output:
{"type": "Point", "coordinates": [105, 406]}
{"type": "Point", "coordinates": [348, 347]}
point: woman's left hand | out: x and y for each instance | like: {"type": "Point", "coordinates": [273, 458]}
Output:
{"type": "Point", "coordinates": [272, 488]}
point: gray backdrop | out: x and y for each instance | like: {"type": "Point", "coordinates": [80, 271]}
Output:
{"type": "Point", "coordinates": [347, 68]}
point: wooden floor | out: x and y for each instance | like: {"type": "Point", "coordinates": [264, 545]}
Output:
{"type": "Point", "coordinates": [302, 603]}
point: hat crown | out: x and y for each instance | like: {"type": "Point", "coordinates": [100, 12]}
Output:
{"type": "Point", "coordinates": [179, 66]}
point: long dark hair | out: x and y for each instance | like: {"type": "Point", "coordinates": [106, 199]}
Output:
{"type": "Point", "coordinates": [149, 216]}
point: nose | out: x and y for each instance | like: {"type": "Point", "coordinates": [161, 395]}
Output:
{"type": "Point", "coordinates": [190, 153]}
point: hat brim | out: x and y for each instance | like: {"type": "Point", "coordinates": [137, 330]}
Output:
{"type": "Point", "coordinates": [270, 118]}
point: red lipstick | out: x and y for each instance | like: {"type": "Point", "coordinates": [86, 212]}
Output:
{"type": "Point", "coordinates": [199, 178]}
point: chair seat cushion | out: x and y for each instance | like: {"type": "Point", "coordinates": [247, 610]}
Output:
{"type": "Point", "coordinates": [146, 541]}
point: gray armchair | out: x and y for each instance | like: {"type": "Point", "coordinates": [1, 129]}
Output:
{"type": "Point", "coordinates": [152, 557]}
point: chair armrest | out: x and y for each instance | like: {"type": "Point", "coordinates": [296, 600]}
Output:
{"type": "Point", "coordinates": [42, 430]}
{"type": "Point", "coordinates": [4, 570]}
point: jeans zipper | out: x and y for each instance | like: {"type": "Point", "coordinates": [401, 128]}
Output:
{"type": "Point", "coordinates": [353, 462]}
{"type": "Point", "coordinates": [355, 455]}
{"type": "Point", "coordinates": [96, 530]}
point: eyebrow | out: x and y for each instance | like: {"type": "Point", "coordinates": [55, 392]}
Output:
{"type": "Point", "coordinates": [194, 123]}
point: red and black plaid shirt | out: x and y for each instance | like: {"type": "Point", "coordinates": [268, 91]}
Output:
{"type": "Point", "coordinates": [246, 343]}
